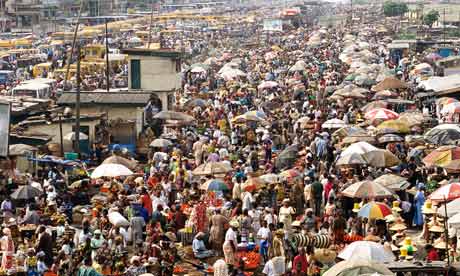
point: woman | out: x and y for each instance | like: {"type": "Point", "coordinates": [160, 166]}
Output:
{"type": "Point", "coordinates": [230, 243]}
{"type": "Point", "coordinates": [216, 237]}
{"type": "Point", "coordinates": [7, 246]}
{"type": "Point", "coordinates": [285, 215]}
{"type": "Point", "coordinates": [419, 201]}
{"type": "Point", "coordinates": [246, 225]}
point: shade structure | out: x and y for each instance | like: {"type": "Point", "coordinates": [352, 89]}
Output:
{"type": "Point", "coordinates": [214, 185]}
{"type": "Point", "coordinates": [270, 178]}
{"type": "Point", "coordinates": [110, 170]}
{"type": "Point", "coordinates": [453, 208]}
{"type": "Point", "coordinates": [290, 174]}
{"type": "Point", "coordinates": [389, 82]}
{"type": "Point", "coordinates": [334, 123]}
{"type": "Point", "coordinates": [357, 268]}
{"type": "Point", "coordinates": [359, 148]}
{"type": "Point", "coordinates": [196, 102]}
{"type": "Point", "coordinates": [374, 210]}
{"type": "Point", "coordinates": [381, 158]}
{"type": "Point", "coordinates": [394, 126]}
{"type": "Point", "coordinates": [442, 156]}
{"type": "Point", "coordinates": [71, 136]}
{"type": "Point", "coordinates": [412, 117]}
{"type": "Point", "coordinates": [393, 182]}
{"type": "Point", "coordinates": [25, 192]}
{"type": "Point", "coordinates": [390, 138]}
{"type": "Point", "coordinates": [349, 131]}
{"type": "Point", "coordinates": [444, 134]}
{"type": "Point", "coordinates": [247, 117]}
{"type": "Point", "coordinates": [366, 251]}
{"type": "Point", "coordinates": [351, 159]}
{"type": "Point", "coordinates": [366, 189]}
{"type": "Point", "coordinates": [385, 94]}
{"type": "Point", "coordinates": [452, 166]}
{"type": "Point", "coordinates": [287, 157]}
{"type": "Point", "coordinates": [381, 114]}
{"type": "Point", "coordinates": [451, 108]}
{"type": "Point", "coordinates": [368, 138]}
{"type": "Point", "coordinates": [174, 116]}
{"type": "Point", "coordinates": [267, 85]}
{"type": "Point", "coordinates": [212, 168]}
{"type": "Point", "coordinates": [374, 105]}
{"type": "Point", "coordinates": [115, 159]}
{"type": "Point", "coordinates": [161, 143]}
{"type": "Point", "coordinates": [253, 184]}
{"type": "Point", "coordinates": [445, 100]}
{"type": "Point", "coordinates": [20, 149]}
{"type": "Point", "coordinates": [447, 192]}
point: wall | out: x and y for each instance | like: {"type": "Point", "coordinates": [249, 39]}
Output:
{"type": "Point", "coordinates": [157, 73]}
{"type": "Point", "coordinates": [114, 112]}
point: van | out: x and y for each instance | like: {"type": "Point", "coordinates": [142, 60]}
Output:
{"type": "Point", "coordinates": [32, 89]}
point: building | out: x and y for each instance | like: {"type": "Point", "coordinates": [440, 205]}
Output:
{"type": "Point", "coordinates": [154, 71]}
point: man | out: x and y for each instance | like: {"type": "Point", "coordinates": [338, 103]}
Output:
{"type": "Point", "coordinates": [317, 195]}
{"type": "Point", "coordinates": [231, 243]}
{"type": "Point", "coordinates": [309, 221]}
{"type": "Point", "coordinates": [7, 208]}
{"type": "Point", "coordinates": [137, 225]}
{"type": "Point", "coordinates": [87, 268]}
{"type": "Point", "coordinates": [199, 249]}
{"type": "Point", "coordinates": [96, 242]}
{"type": "Point", "coordinates": [45, 244]}
{"type": "Point", "coordinates": [262, 236]}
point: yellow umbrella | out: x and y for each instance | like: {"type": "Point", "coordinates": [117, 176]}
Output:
{"type": "Point", "coordinates": [394, 126]}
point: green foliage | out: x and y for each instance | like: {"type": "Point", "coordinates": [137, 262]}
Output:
{"type": "Point", "coordinates": [431, 17]}
{"type": "Point", "coordinates": [391, 8]}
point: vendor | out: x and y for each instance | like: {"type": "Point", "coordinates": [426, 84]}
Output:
{"type": "Point", "coordinates": [199, 249]}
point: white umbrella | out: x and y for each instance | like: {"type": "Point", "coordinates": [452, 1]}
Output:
{"type": "Point", "coordinates": [351, 159]}
{"type": "Point", "coordinates": [454, 221]}
{"type": "Point", "coordinates": [366, 189]}
{"type": "Point", "coordinates": [357, 267]}
{"type": "Point", "coordinates": [360, 148]}
{"type": "Point", "coordinates": [161, 143]}
{"type": "Point", "coordinates": [453, 208]}
{"type": "Point", "coordinates": [71, 136]}
{"type": "Point", "coordinates": [334, 123]}
{"type": "Point", "coordinates": [110, 170]}
{"type": "Point", "coordinates": [366, 251]}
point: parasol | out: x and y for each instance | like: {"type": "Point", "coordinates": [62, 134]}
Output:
{"type": "Point", "coordinates": [390, 138]}
{"type": "Point", "coordinates": [214, 185]}
{"type": "Point", "coordinates": [392, 182]}
{"type": "Point", "coordinates": [442, 156]}
{"type": "Point", "coordinates": [115, 159]}
{"type": "Point", "coordinates": [270, 178]}
{"type": "Point", "coordinates": [374, 105]}
{"type": "Point", "coordinates": [374, 210]}
{"type": "Point", "coordinates": [389, 82]}
{"type": "Point", "coordinates": [366, 189]}
{"type": "Point", "coordinates": [287, 157]}
{"type": "Point", "coordinates": [351, 159]}
{"type": "Point", "coordinates": [452, 207]}
{"type": "Point", "coordinates": [446, 193]}
{"type": "Point", "coordinates": [381, 158]}
{"type": "Point", "coordinates": [366, 251]}
{"type": "Point", "coordinates": [357, 267]}
{"type": "Point", "coordinates": [267, 85]}
{"type": "Point", "coordinates": [110, 170]}
{"type": "Point", "coordinates": [360, 148]}
{"type": "Point", "coordinates": [212, 168]}
{"type": "Point", "coordinates": [443, 134]}
{"type": "Point", "coordinates": [161, 143]}
{"type": "Point", "coordinates": [20, 149]}
{"type": "Point", "coordinates": [334, 123]}
{"type": "Point", "coordinates": [196, 102]}
{"type": "Point", "coordinates": [71, 136]}
{"type": "Point", "coordinates": [253, 184]}
{"type": "Point", "coordinates": [172, 115]}
{"type": "Point", "coordinates": [25, 192]}
{"type": "Point", "coordinates": [394, 126]}
{"type": "Point", "coordinates": [381, 114]}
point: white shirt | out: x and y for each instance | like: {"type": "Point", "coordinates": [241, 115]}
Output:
{"type": "Point", "coordinates": [247, 201]}
{"type": "Point", "coordinates": [275, 267]}
{"type": "Point", "coordinates": [230, 236]}
{"type": "Point", "coordinates": [263, 232]}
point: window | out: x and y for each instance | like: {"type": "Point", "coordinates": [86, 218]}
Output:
{"type": "Point", "coordinates": [135, 74]}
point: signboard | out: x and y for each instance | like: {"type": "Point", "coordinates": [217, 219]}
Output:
{"type": "Point", "coordinates": [273, 25]}
{"type": "Point", "coordinates": [4, 128]}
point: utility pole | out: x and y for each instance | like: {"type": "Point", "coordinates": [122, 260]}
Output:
{"type": "Point", "coordinates": [73, 45]}
{"type": "Point", "coordinates": [77, 104]}
{"type": "Point", "coordinates": [150, 26]}
{"type": "Point", "coordinates": [107, 68]}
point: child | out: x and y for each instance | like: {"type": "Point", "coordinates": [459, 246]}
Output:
{"type": "Point", "coordinates": [31, 262]}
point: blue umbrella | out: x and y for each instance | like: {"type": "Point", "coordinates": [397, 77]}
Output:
{"type": "Point", "coordinates": [214, 185]}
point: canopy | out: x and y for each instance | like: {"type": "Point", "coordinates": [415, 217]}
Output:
{"type": "Point", "coordinates": [389, 83]}
{"type": "Point", "coordinates": [115, 159]}
{"type": "Point", "coordinates": [360, 148]}
{"type": "Point", "coordinates": [366, 189]}
{"type": "Point", "coordinates": [20, 149]}
{"type": "Point", "coordinates": [381, 114]}
{"type": "Point", "coordinates": [392, 181]}
{"type": "Point", "coordinates": [356, 268]}
{"type": "Point", "coordinates": [212, 168]}
{"type": "Point", "coordinates": [443, 134]}
{"type": "Point", "coordinates": [161, 143]}
{"type": "Point", "coordinates": [446, 193]}
{"type": "Point", "coordinates": [25, 192]}
{"type": "Point", "coordinates": [110, 170]}
{"type": "Point", "coordinates": [366, 251]}
{"type": "Point", "coordinates": [173, 115]}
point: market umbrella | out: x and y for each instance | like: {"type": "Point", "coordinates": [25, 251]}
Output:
{"type": "Point", "coordinates": [443, 134]}
{"type": "Point", "coordinates": [359, 148]}
{"type": "Point", "coordinates": [451, 108]}
{"type": "Point", "coordinates": [244, 118]}
{"type": "Point", "coordinates": [433, 56]}
{"type": "Point", "coordinates": [115, 159]}
{"type": "Point", "coordinates": [384, 94]}
{"type": "Point", "coordinates": [357, 267]}
{"type": "Point", "coordinates": [390, 138]}
{"type": "Point", "coordinates": [393, 182]}
{"type": "Point", "coordinates": [110, 170]}
{"type": "Point", "coordinates": [71, 136]}
{"type": "Point", "coordinates": [25, 192]}
{"type": "Point", "coordinates": [214, 185]}
{"type": "Point", "coordinates": [452, 207]}
{"type": "Point", "coordinates": [287, 157]}
{"type": "Point", "coordinates": [253, 184]}
{"type": "Point", "coordinates": [452, 166]}
{"type": "Point", "coordinates": [349, 131]}
{"type": "Point", "coordinates": [173, 115]}
{"type": "Point", "coordinates": [381, 158]}
{"type": "Point", "coordinates": [381, 114]}
{"type": "Point", "coordinates": [412, 117]}
{"type": "Point", "coordinates": [373, 105]}
{"type": "Point", "coordinates": [442, 156]}
{"type": "Point", "coordinates": [212, 168]}
{"type": "Point", "coordinates": [267, 85]}
{"type": "Point", "coordinates": [389, 82]}
{"type": "Point", "coordinates": [20, 149]}
{"type": "Point", "coordinates": [196, 102]}
{"type": "Point", "coordinates": [270, 178]}
{"type": "Point", "coordinates": [445, 100]}
{"type": "Point", "coordinates": [160, 143]}
{"type": "Point", "coordinates": [366, 251]}
{"type": "Point", "coordinates": [374, 210]}
{"type": "Point", "coordinates": [359, 138]}
{"type": "Point", "coordinates": [290, 174]}
{"type": "Point", "coordinates": [334, 123]}
{"type": "Point", "coordinates": [394, 126]}
{"type": "Point", "coordinates": [366, 189]}
{"type": "Point", "coordinates": [198, 69]}
{"type": "Point", "coordinates": [447, 192]}
{"type": "Point", "coordinates": [454, 221]}
{"type": "Point", "coordinates": [351, 159]}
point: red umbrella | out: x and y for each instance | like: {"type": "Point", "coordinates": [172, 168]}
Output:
{"type": "Point", "coordinates": [447, 192]}
{"type": "Point", "coordinates": [381, 114]}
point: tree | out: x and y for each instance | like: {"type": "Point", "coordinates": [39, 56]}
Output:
{"type": "Point", "coordinates": [430, 18]}
{"type": "Point", "coordinates": [391, 8]}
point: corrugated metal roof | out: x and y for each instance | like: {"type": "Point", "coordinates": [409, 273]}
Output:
{"type": "Point", "coordinates": [129, 98]}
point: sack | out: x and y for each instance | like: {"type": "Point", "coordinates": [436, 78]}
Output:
{"type": "Point", "coordinates": [117, 219]}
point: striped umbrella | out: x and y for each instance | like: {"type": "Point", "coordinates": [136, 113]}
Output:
{"type": "Point", "coordinates": [447, 192]}
{"type": "Point", "coordinates": [366, 189]}
{"type": "Point", "coordinates": [442, 156]}
{"type": "Point", "coordinates": [374, 210]}
{"type": "Point", "coordinates": [381, 114]}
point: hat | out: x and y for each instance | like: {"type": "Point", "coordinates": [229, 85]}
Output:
{"type": "Point", "coordinates": [309, 210]}
{"type": "Point", "coordinates": [436, 228]}
{"type": "Point", "coordinates": [441, 245]}
{"type": "Point", "coordinates": [396, 207]}
{"type": "Point", "coordinates": [139, 180]}
{"type": "Point", "coordinates": [356, 208]}
{"type": "Point", "coordinates": [427, 208]}
{"type": "Point", "coordinates": [41, 254]}
{"type": "Point", "coordinates": [390, 218]}
{"type": "Point", "coordinates": [398, 227]}
{"type": "Point", "coordinates": [234, 223]}
{"type": "Point", "coordinates": [408, 244]}
{"type": "Point", "coordinates": [97, 232]}
{"type": "Point", "coordinates": [135, 259]}
{"type": "Point", "coordinates": [286, 200]}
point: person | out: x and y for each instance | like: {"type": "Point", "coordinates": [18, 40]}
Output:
{"type": "Point", "coordinates": [317, 195]}
{"type": "Point", "coordinates": [300, 263]}
{"type": "Point", "coordinates": [87, 269]}
{"type": "Point", "coordinates": [263, 235]}
{"type": "Point", "coordinates": [217, 231]}
{"type": "Point", "coordinates": [246, 226]}
{"type": "Point", "coordinates": [7, 247]}
{"type": "Point", "coordinates": [199, 249]}
{"type": "Point", "coordinates": [431, 253]}
{"type": "Point", "coordinates": [230, 244]}
{"type": "Point", "coordinates": [135, 269]}
{"type": "Point", "coordinates": [96, 242]}
{"type": "Point", "coordinates": [419, 201]}
{"type": "Point", "coordinates": [7, 208]}
{"type": "Point", "coordinates": [137, 224]}
{"type": "Point", "coordinates": [277, 249]}
{"type": "Point", "coordinates": [45, 244]}
{"type": "Point", "coordinates": [285, 214]}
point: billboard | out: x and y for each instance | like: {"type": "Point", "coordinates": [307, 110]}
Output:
{"type": "Point", "coordinates": [4, 128]}
{"type": "Point", "coordinates": [273, 25]}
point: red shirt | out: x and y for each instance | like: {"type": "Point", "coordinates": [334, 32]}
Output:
{"type": "Point", "coordinates": [300, 259]}
{"type": "Point", "coordinates": [147, 203]}
{"type": "Point", "coordinates": [432, 255]}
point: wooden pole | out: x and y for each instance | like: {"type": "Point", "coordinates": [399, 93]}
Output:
{"type": "Point", "coordinates": [446, 233]}
{"type": "Point", "coordinates": [77, 104]}
{"type": "Point", "coordinates": [74, 40]}
{"type": "Point", "coordinates": [107, 68]}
